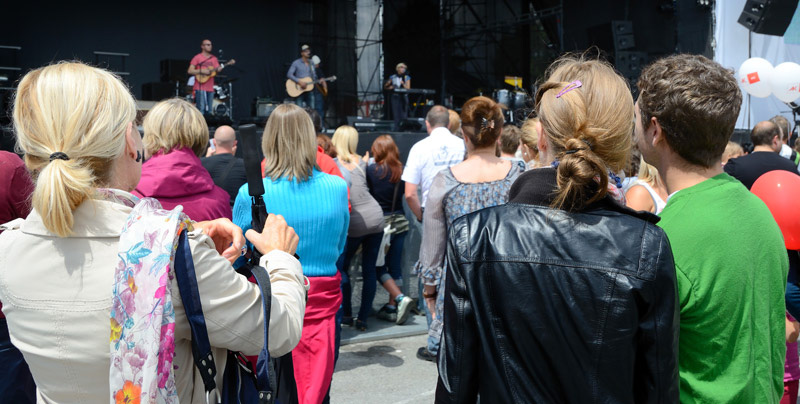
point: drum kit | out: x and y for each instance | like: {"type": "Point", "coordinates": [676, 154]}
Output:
{"type": "Point", "coordinates": [222, 104]}
{"type": "Point", "coordinates": [516, 102]}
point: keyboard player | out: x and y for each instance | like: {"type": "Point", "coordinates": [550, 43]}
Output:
{"type": "Point", "coordinates": [399, 101]}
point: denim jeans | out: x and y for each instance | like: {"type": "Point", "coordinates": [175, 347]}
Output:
{"type": "Point", "coordinates": [16, 382]}
{"type": "Point", "coordinates": [204, 101]}
{"type": "Point", "coordinates": [369, 254]}
{"type": "Point", "coordinates": [318, 105]}
{"type": "Point", "coordinates": [393, 259]}
{"type": "Point", "coordinates": [306, 100]}
{"type": "Point", "coordinates": [433, 342]}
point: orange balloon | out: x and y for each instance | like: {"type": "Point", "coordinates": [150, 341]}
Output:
{"type": "Point", "coordinates": [780, 190]}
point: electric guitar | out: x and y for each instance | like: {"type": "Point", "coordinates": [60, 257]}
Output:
{"type": "Point", "coordinates": [202, 78]}
{"type": "Point", "coordinates": [294, 89]}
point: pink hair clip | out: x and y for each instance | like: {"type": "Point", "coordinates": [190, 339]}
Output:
{"type": "Point", "coordinates": [571, 86]}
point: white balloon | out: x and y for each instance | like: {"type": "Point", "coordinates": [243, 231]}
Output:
{"type": "Point", "coordinates": [755, 77]}
{"type": "Point", "coordinates": [786, 81]}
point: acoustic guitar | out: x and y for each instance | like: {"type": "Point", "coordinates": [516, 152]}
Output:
{"type": "Point", "coordinates": [294, 89]}
{"type": "Point", "coordinates": [202, 78]}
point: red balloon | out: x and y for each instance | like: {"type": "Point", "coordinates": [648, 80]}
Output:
{"type": "Point", "coordinates": [780, 190]}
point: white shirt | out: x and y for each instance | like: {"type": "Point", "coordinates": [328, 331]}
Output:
{"type": "Point", "coordinates": [440, 150]}
{"type": "Point", "coordinates": [786, 151]}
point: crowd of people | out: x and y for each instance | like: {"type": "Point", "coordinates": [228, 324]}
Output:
{"type": "Point", "coordinates": [546, 274]}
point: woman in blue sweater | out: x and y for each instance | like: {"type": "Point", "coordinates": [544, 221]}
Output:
{"type": "Point", "coordinates": [315, 205]}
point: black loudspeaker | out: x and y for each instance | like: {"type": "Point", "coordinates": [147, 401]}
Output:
{"type": "Point", "coordinates": [413, 125]}
{"type": "Point", "coordinates": [369, 124]}
{"type": "Point", "coordinates": [157, 91]}
{"type": "Point", "coordinates": [630, 64]}
{"type": "Point", "coordinates": [174, 70]}
{"type": "Point", "coordinates": [622, 32]}
{"type": "Point", "coordinates": [769, 17]}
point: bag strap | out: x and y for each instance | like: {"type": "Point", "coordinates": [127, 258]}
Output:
{"type": "Point", "coordinates": [190, 296]}
{"type": "Point", "coordinates": [265, 368]}
{"type": "Point", "coordinates": [394, 196]}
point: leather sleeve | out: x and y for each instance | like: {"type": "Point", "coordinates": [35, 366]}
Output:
{"type": "Point", "coordinates": [457, 361]}
{"type": "Point", "coordinates": [657, 359]}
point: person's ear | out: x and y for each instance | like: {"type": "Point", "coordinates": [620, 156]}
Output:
{"type": "Point", "coordinates": [542, 142]}
{"type": "Point", "coordinates": [657, 132]}
{"type": "Point", "coordinates": [132, 142]}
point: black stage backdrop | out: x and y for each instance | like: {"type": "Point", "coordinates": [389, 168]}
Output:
{"type": "Point", "coordinates": [261, 35]}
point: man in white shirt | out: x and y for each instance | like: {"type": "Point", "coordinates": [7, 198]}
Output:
{"type": "Point", "coordinates": [440, 150]}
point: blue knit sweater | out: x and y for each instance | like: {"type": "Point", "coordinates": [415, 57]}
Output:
{"type": "Point", "coordinates": [316, 209]}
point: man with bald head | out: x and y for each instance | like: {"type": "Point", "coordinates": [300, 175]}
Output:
{"type": "Point", "coordinates": [766, 138]}
{"type": "Point", "coordinates": [226, 170]}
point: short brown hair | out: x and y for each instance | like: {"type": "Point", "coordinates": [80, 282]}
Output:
{"type": "Point", "coordinates": [696, 102]}
{"type": "Point", "coordinates": [473, 114]}
{"type": "Point", "coordinates": [782, 123]}
{"type": "Point", "coordinates": [509, 139]}
{"type": "Point", "coordinates": [764, 132]}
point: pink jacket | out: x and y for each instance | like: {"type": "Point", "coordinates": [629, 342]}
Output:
{"type": "Point", "coordinates": [178, 178]}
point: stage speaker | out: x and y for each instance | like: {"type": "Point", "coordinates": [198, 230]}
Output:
{"type": "Point", "coordinates": [630, 64]}
{"type": "Point", "coordinates": [263, 107]}
{"type": "Point", "coordinates": [769, 17]}
{"type": "Point", "coordinates": [174, 70]}
{"type": "Point", "coordinates": [413, 125]}
{"type": "Point", "coordinates": [157, 91]}
{"type": "Point", "coordinates": [622, 32]}
{"type": "Point", "coordinates": [369, 124]}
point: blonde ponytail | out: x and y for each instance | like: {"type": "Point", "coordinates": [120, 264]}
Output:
{"type": "Point", "coordinates": [79, 114]}
{"type": "Point", "coordinates": [589, 126]}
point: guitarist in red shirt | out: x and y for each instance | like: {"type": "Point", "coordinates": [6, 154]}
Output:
{"type": "Point", "coordinates": [201, 67]}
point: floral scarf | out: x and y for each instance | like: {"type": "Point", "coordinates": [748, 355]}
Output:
{"type": "Point", "coordinates": [142, 339]}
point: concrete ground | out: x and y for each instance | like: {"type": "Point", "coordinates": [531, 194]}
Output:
{"type": "Point", "coordinates": [385, 372]}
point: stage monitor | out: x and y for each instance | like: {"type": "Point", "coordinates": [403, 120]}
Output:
{"type": "Point", "coordinates": [769, 17]}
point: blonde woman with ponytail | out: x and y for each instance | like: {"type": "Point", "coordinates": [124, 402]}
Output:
{"type": "Point", "coordinates": [567, 288]}
{"type": "Point", "coordinates": [75, 125]}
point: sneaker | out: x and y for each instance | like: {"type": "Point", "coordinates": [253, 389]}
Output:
{"type": "Point", "coordinates": [425, 355]}
{"type": "Point", "coordinates": [387, 314]}
{"type": "Point", "coordinates": [347, 320]}
{"type": "Point", "coordinates": [404, 309]}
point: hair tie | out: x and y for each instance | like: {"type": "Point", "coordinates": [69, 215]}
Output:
{"type": "Point", "coordinates": [589, 145]}
{"type": "Point", "coordinates": [485, 123]}
{"type": "Point", "coordinates": [59, 156]}
{"type": "Point", "coordinates": [574, 150]}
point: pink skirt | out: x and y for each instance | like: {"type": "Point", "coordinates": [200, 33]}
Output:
{"type": "Point", "coordinates": [313, 357]}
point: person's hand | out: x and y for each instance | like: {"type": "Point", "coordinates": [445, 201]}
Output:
{"type": "Point", "coordinates": [429, 293]}
{"type": "Point", "coordinates": [277, 235]}
{"type": "Point", "coordinates": [227, 237]}
{"type": "Point", "coordinates": [302, 85]}
{"type": "Point", "coordinates": [366, 157]}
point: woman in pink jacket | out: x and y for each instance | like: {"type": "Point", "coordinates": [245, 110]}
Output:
{"type": "Point", "coordinates": [175, 135]}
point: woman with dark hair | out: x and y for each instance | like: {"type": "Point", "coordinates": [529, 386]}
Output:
{"type": "Point", "coordinates": [480, 181]}
{"type": "Point", "coordinates": [385, 185]}
{"type": "Point", "coordinates": [563, 295]}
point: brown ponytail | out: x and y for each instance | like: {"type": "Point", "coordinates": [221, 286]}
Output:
{"type": "Point", "coordinates": [486, 119]}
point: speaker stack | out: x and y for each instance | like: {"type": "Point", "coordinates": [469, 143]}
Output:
{"type": "Point", "coordinates": [769, 17]}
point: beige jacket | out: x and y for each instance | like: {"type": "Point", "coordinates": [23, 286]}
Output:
{"type": "Point", "coordinates": [56, 295]}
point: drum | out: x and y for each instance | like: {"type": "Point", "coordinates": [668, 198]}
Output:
{"type": "Point", "coordinates": [219, 108]}
{"type": "Point", "coordinates": [520, 99]}
{"type": "Point", "coordinates": [220, 92]}
{"type": "Point", "coordinates": [502, 97]}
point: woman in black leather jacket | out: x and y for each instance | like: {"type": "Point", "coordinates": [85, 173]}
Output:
{"type": "Point", "coordinates": [563, 294]}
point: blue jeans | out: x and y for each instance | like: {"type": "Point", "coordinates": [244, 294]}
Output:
{"type": "Point", "coordinates": [369, 254]}
{"type": "Point", "coordinates": [306, 100]}
{"type": "Point", "coordinates": [204, 100]}
{"type": "Point", "coordinates": [16, 382]}
{"type": "Point", "coordinates": [394, 257]}
{"type": "Point", "coordinates": [318, 105]}
{"type": "Point", "coordinates": [433, 343]}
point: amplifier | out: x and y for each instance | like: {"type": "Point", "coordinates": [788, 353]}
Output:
{"type": "Point", "coordinates": [263, 107]}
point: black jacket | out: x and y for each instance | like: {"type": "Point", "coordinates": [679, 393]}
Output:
{"type": "Point", "coordinates": [545, 306]}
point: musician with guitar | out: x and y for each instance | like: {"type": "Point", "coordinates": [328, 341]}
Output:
{"type": "Point", "coordinates": [399, 101]}
{"type": "Point", "coordinates": [204, 66]}
{"type": "Point", "coordinates": [303, 74]}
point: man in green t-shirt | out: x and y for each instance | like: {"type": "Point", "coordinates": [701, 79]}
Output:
{"type": "Point", "coordinates": [730, 258]}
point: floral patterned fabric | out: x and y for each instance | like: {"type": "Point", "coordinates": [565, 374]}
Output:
{"type": "Point", "coordinates": [142, 338]}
